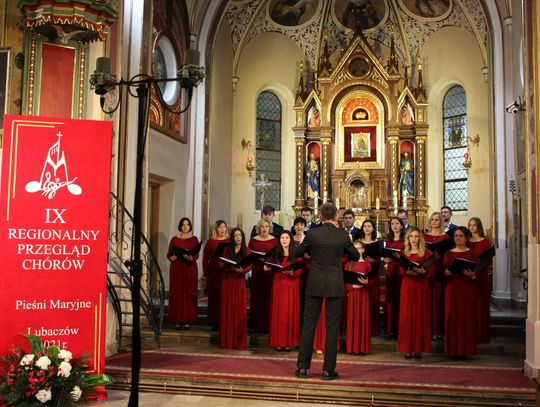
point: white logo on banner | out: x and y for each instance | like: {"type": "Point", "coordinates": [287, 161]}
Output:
{"type": "Point", "coordinates": [54, 174]}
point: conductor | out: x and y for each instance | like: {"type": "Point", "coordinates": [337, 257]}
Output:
{"type": "Point", "coordinates": [326, 246]}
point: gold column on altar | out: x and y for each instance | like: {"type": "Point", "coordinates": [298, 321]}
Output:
{"type": "Point", "coordinates": [421, 204]}
{"type": "Point", "coordinates": [325, 165]}
{"type": "Point", "coordinates": [300, 160]}
{"type": "Point", "coordinates": [421, 166]}
{"type": "Point", "coordinates": [393, 140]}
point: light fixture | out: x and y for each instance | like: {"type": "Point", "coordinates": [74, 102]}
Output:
{"type": "Point", "coordinates": [190, 75]}
{"type": "Point", "coordinates": [250, 158]}
{"type": "Point", "coordinates": [467, 163]}
{"type": "Point", "coordinates": [467, 160]}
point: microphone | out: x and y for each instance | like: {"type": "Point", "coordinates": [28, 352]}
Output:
{"type": "Point", "coordinates": [101, 79]}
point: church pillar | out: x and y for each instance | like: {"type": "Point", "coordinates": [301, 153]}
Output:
{"type": "Point", "coordinates": [532, 323]}
{"type": "Point", "coordinates": [300, 163]}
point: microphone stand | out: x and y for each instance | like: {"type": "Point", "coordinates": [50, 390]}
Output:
{"type": "Point", "coordinates": [142, 83]}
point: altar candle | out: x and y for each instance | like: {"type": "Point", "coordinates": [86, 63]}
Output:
{"type": "Point", "coordinates": [325, 197]}
{"type": "Point", "coordinates": [395, 202]}
{"type": "Point", "coordinates": [239, 219]}
{"type": "Point", "coordinates": [337, 203]}
{"type": "Point", "coordinates": [405, 200]}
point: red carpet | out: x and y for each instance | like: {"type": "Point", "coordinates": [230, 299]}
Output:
{"type": "Point", "coordinates": [352, 373]}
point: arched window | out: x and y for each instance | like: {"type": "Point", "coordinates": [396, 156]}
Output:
{"type": "Point", "coordinates": [268, 148]}
{"type": "Point", "coordinates": [455, 148]}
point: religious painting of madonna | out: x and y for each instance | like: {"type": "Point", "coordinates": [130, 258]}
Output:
{"type": "Point", "coordinates": [360, 143]}
{"type": "Point", "coordinates": [292, 13]}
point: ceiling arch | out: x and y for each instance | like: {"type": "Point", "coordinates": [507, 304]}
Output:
{"type": "Point", "coordinates": [313, 23]}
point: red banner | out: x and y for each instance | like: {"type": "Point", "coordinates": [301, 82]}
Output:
{"type": "Point", "coordinates": [54, 216]}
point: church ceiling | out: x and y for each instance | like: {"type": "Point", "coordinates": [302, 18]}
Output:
{"type": "Point", "coordinates": [312, 23]}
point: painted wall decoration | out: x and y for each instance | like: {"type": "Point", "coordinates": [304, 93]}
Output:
{"type": "Point", "coordinates": [372, 13]}
{"type": "Point", "coordinates": [291, 13]}
{"type": "Point", "coordinates": [427, 9]}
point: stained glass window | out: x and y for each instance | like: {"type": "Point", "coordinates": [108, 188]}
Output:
{"type": "Point", "coordinates": [455, 148]}
{"type": "Point", "coordinates": [268, 148]}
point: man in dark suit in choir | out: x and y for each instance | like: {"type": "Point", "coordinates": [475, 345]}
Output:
{"type": "Point", "coordinates": [403, 214]}
{"type": "Point", "coordinates": [307, 213]}
{"type": "Point", "coordinates": [267, 214]}
{"type": "Point", "coordinates": [326, 245]}
{"type": "Point", "coordinates": [348, 225]}
{"type": "Point", "coordinates": [449, 227]}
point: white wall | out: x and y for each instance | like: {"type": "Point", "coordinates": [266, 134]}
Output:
{"type": "Point", "coordinates": [459, 62]}
{"type": "Point", "coordinates": [220, 129]}
{"type": "Point", "coordinates": [267, 63]}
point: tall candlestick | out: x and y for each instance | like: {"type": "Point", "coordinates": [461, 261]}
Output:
{"type": "Point", "coordinates": [239, 219]}
{"type": "Point", "coordinates": [337, 203]}
{"type": "Point", "coordinates": [405, 200]}
{"type": "Point", "coordinates": [395, 202]}
{"type": "Point", "coordinates": [325, 197]}
{"type": "Point", "coordinates": [377, 204]}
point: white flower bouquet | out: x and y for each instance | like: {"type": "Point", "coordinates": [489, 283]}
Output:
{"type": "Point", "coordinates": [46, 377]}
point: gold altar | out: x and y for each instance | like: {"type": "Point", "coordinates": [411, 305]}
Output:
{"type": "Point", "coordinates": [361, 130]}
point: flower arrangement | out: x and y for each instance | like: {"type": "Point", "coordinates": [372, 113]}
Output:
{"type": "Point", "coordinates": [46, 377]}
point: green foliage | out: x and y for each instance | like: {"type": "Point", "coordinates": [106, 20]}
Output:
{"type": "Point", "coordinates": [46, 377]}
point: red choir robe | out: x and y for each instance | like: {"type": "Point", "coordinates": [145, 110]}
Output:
{"type": "Point", "coordinates": [303, 283]}
{"type": "Point", "coordinates": [415, 309]}
{"type": "Point", "coordinates": [393, 289]}
{"type": "Point", "coordinates": [285, 308]}
{"type": "Point", "coordinates": [260, 288]}
{"type": "Point", "coordinates": [374, 289]}
{"type": "Point", "coordinates": [233, 307]}
{"type": "Point", "coordinates": [358, 326]}
{"type": "Point", "coordinates": [213, 275]}
{"type": "Point", "coordinates": [319, 340]}
{"type": "Point", "coordinates": [437, 284]}
{"type": "Point", "coordinates": [484, 291]}
{"type": "Point", "coordinates": [183, 283]}
{"type": "Point", "coordinates": [460, 309]}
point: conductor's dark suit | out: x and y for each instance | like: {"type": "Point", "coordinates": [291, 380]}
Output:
{"type": "Point", "coordinates": [326, 245]}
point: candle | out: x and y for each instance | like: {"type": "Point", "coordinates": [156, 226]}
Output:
{"type": "Point", "coordinates": [239, 219]}
{"type": "Point", "coordinates": [395, 202]}
{"type": "Point", "coordinates": [377, 203]}
{"type": "Point", "coordinates": [337, 203]}
{"type": "Point", "coordinates": [405, 200]}
{"type": "Point", "coordinates": [325, 197]}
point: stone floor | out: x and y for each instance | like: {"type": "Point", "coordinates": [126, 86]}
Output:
{"type": "Point", "coordinates": [117, 398]}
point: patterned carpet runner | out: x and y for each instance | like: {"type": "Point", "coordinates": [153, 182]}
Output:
{"type": "Point", "coordinates": [376, 374]}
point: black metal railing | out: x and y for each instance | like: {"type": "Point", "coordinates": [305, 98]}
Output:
{"type": "Point", "coordinates": [119, 279]}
